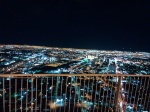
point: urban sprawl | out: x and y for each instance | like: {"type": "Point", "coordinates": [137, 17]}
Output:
{"type": "Point", "coordinates": [97, 81]}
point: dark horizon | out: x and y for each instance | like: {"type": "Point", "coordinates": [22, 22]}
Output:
{"type": "Point", "coordinates": [125, 50]}
{"type": "Point", "coordinates": [85, 24]}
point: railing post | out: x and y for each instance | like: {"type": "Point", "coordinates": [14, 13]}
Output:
{"type": "Point", "coordinates": [3, 95]}
{"type": "Point", "coordinates": [15, 94]}
{"type": "Point", "coordinates": [10, 95]}
{"type": "Point", "coordinates": [117, 93]}
{"type": "Point", "coordinates": [32, 107]}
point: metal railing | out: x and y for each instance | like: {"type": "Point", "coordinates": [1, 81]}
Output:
{"type": "Point", "coordinates": [74, 93]}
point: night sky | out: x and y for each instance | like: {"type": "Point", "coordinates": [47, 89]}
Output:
{"type": "Point", "coordinates": [109, 25]}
